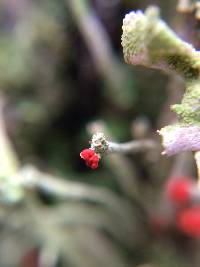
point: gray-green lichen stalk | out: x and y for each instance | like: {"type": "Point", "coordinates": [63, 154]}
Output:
{"type": "Point", "coordinates": [148, 41]}
{"type": "Point", "coordinates": [99, 144]}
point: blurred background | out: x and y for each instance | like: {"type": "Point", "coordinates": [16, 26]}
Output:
{"type": "Point", "coordinates": [62, 78]}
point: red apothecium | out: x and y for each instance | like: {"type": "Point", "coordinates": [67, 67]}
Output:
{"type": "Point", "coordinates": [90, 157]}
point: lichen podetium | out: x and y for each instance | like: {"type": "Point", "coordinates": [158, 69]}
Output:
{"type": "Point", "coordinates": [148, 41]}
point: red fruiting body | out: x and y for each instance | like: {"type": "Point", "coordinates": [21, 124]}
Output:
{"type": "Point", "coordinates": [179, 189]}
{"type": "Point", "coordinates": [87, 153]}
{"type": "Point", "coordinates": [93, 162]}
{"type": "Point", "coordinates": [90, 157]}
{"type": "Point", "coordinates": [188, 220]}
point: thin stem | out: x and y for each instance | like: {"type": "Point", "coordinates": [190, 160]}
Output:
{"type": "Point", "coordinates": [131, 147]}
{"type": "Point", "coordinates": [101, 145]}
{"type": "Point", "coordinates": [100, 48]}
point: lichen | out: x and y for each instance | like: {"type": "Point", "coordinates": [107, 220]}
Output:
{"type": "Point", "coordinates": [148, 41]}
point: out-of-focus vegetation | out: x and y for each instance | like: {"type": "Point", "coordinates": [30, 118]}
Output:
{"type": "Point", "coordinates": [62, 76]}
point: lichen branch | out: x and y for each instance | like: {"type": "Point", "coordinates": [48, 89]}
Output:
{"type": "Point", "coordinates": [148, 41]}
{"type": "Point", "coordinates": [101, 145]}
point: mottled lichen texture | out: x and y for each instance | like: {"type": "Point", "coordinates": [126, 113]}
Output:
{"type": "Point", "coordinates": [148, 41]}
